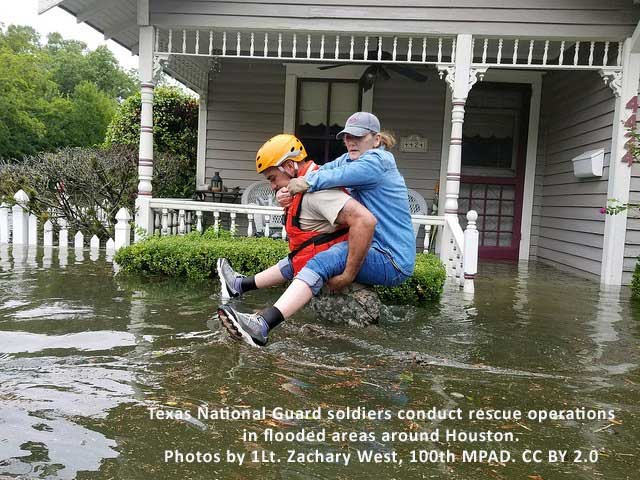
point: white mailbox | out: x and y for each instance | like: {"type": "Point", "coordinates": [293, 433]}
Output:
{"type": "Point", "coordinates": [588, 164]}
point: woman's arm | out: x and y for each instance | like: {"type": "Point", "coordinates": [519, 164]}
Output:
{"type": "Point", "coordinates": [363, 173]}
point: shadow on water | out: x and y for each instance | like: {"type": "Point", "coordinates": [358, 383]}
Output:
{"type": "Point", "coordinates": [85, 355]}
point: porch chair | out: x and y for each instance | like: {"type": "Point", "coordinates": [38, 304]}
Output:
{"type": "Point", "coordinates": [260, 193]}
{"type": "Point", "coordinates": [417, 206]}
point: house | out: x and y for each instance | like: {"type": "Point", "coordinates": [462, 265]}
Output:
{"type": "Point", "coordinates": [516, 93]}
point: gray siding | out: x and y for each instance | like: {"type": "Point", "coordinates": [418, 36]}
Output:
{"type": "Point", "coordinates": [245, 107]}
{"type": "Point", "coordinates": [576, 115]}
{"type": "Point", "coordinates": [613, 19]}
{"type": "Point", "coordinates": [632, 239]}
{"type": "Point", "coordinates": [407, 108]}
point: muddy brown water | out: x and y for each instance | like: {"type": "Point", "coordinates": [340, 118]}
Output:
{"type": "Point", "coordinates": [85, 357]}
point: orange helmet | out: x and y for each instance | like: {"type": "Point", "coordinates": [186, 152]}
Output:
{"type": "Point", "coordinates": [277, 150]}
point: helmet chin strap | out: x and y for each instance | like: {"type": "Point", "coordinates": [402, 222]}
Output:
{"type": "Point", "coordinates": [295, 168]}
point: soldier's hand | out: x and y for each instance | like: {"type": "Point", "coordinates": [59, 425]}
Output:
{"type": "Point", "coordinates": [339, 282]}
{"type": "Point", "coordinates": [298, 185]}
{"type": "Point", "coordinates": [283, 197]}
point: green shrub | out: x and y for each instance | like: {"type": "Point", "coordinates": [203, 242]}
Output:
{"type": "Point", "coordinates": [635, 282]}
{"type": "Point", "coordinates": [194, 256]}
{"type": "Point", "coordinates": [424, 285]}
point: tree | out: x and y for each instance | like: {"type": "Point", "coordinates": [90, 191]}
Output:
{"type": "Point", "coordinates": [55, 95]}
{"type": "Point", "coordinates": [175, 133]}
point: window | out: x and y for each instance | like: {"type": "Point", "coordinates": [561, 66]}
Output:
{"type": "Point", "coordinates": [322, 108]}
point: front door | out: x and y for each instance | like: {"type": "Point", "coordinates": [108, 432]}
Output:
{"type": "Point", "coordinates": [494, 145]}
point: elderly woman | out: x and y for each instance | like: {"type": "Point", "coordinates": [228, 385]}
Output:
{"type": "Point", "coordinates": [370, 173]}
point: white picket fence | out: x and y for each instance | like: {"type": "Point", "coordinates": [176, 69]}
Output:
{"type": "Point", "coordinates": [18, 227]}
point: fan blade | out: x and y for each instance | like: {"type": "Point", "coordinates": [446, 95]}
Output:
{"type": "Point", "coordinates": [408, 72]}
{"type": "Point", "coordinates": [327, 67]}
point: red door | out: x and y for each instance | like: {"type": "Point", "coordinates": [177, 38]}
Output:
{"type": "Point", "coordinates": [494, 145]}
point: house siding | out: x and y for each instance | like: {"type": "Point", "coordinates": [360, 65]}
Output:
{"type": "Point", "coordinates": [576, 116]}
{"type": "Point", "coordinates": [245, 107]}
{"type": "Point", "coordinates": [613, 19]}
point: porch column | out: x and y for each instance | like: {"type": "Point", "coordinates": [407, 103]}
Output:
{"type": "Point", "coordinates": [202, 140]}
{"type": "Point", "coordinates": [460, 78]}
{"type": "Point", "coordinates": [145, 152]}
{"type": "Point", "coordinates": [625, 87]}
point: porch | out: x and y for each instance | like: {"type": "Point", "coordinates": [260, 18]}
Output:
{"type": "Point", "coordinates": [503, 95]}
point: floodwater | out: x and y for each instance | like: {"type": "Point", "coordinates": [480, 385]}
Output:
{"type": "Point", "coordinates": [86, 358]}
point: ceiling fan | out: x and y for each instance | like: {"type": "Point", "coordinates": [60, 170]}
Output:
{"type": "Point", "coordinates": [379, 70]}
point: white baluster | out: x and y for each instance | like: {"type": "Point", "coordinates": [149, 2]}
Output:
{"type": "Point", "coordinates": [197, 42]}
{"type": "Point", "coordinates": [165, 222]}
{"type": "Point", "coordinates": [619, 59]}
{"type": "Point", "coordinates": [252, 45]}
{"type": "Point", "coordinates": [233, 223]}
{"type": "Point", "coordinates": [427, 238]}
{"type": "Point", "coordinates": [279, 45]}
{"type": "Point", "coordinates": [250, 225]}
{"type": "Point", "coordinates": [295, 45]}
{"type": "Point", "coordinates": [216, 221]}
{"type": "Point", "coordinates": [351, 48]}
{"type": "Point", "coordinates": [267, 218]}
{"type": "Point", "coordinates": [514, 59]}
{"type": "Point", "coordinates": [94, 243]}
{"type": "Point", "coordinates": [20, 218]}
{"type": "Point", "coordinates": [546, 52]}
{"type": "Point", "coordinates": [424, 49]}
{"type": "Point", "coordinates": [211, 43]}
{"type": "Point", "coordinates": [156, 223]}
{"type": "Point", "coordinates": [308, 46]}
{"type": "Point", "coordinates": [182, 227]}
{"type": "Point", "coordinates": [453, 51]}
{"type": "Point", "coordinates": [409, 46]}
{"type": "Point", "coordinates": [561, 57]}
{"type": "Point", "coordinates": [530, 56]}
{"type": "Point", "coordinates": [366, 47]}
{"type": "Point", "coordinates": [4, 223]}
{"type": "Point", "coordinates": [379, 48]}
{"type": "Point", "coordinates": [395, 48]}
{"type": "Point", "coordinates": [266, 45]}
{"type": "Point", "coordinates": [224, 43]}
{"type": "Point", "coordinates": [199, 221]}
{"type": "Point", "coordinates": [591, 47]}
{"type": "Point", "coordinates": [439, 50]}
{"type": "Point", "coordinates": [337, 51]}
{"type": "Point", "coordinates": [499, 57]}
{"type": "Point", "coordinates": [122, 228]}
{"type": "Point", "coordinates": [575, 54]}
{"type": "Point", "coordinates": [605, 56]}
{"type": "Point", "coordinates": [322, 47]}
{"type": "Point", "coordinates": [170, 46]}
{"type": "Point", "coordinates": [484, 50]}
{"type": "Point", "coordinates": [33, 230]}
{"type": "Point", "coordinates": [238, 49]}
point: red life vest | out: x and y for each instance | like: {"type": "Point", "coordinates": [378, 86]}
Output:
{"type": "Point", "coordinates": [303, 245]}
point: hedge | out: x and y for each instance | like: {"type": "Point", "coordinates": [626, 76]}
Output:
{"type": "Point", "coordinates": [194, 256]}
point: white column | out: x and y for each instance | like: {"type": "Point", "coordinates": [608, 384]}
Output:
{"type": "Point", "coordinates": [202, 140]}
{"type": "Point", "coordinates": [144, 218]}
{"type": "Point", "coordinates": [20, 219]}
{"type": "Point", "coordinates": [615, 226]}
{"type": "Point", "coordinates": [33, 230]}
{"type": "Point", "coordinates": [470, 258]}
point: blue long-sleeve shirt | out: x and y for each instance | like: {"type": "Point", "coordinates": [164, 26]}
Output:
{"type": "Point", "coordinates": [374, 180]}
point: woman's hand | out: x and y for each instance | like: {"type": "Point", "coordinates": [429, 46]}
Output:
{"type": "Point", "coordinates": [298, 185]}
{"type": "Point", "coordinates": [283, 197]}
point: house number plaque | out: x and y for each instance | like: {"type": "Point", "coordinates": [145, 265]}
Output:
{"type": "Point", "coordinates": [413, 144]}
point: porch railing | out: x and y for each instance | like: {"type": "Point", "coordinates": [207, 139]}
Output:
{"type": "Point", "coordinates": [179, 217]}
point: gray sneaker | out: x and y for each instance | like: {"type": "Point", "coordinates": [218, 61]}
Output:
{"type": "Point", "coordinates": [249, 327]}
{"type": "Point", "coordinates": [227, 277]}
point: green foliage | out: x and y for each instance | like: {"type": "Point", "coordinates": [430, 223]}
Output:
{"type": "Point", "coordinates": [175, 133]}
{"type": "Point", "coordinates": [55, 95]}
{"type": "Point", "coordinates": [635, 282]}
{"type": "Point", "coordinates": [424, 285]}
{"type": "Point", "coordinates": [194, 256]}
{"type": "Point", "coordinates": [77, 184]}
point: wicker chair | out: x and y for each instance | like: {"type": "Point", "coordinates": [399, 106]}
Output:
{"type": "Point", "coordinates": [260, 193]}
